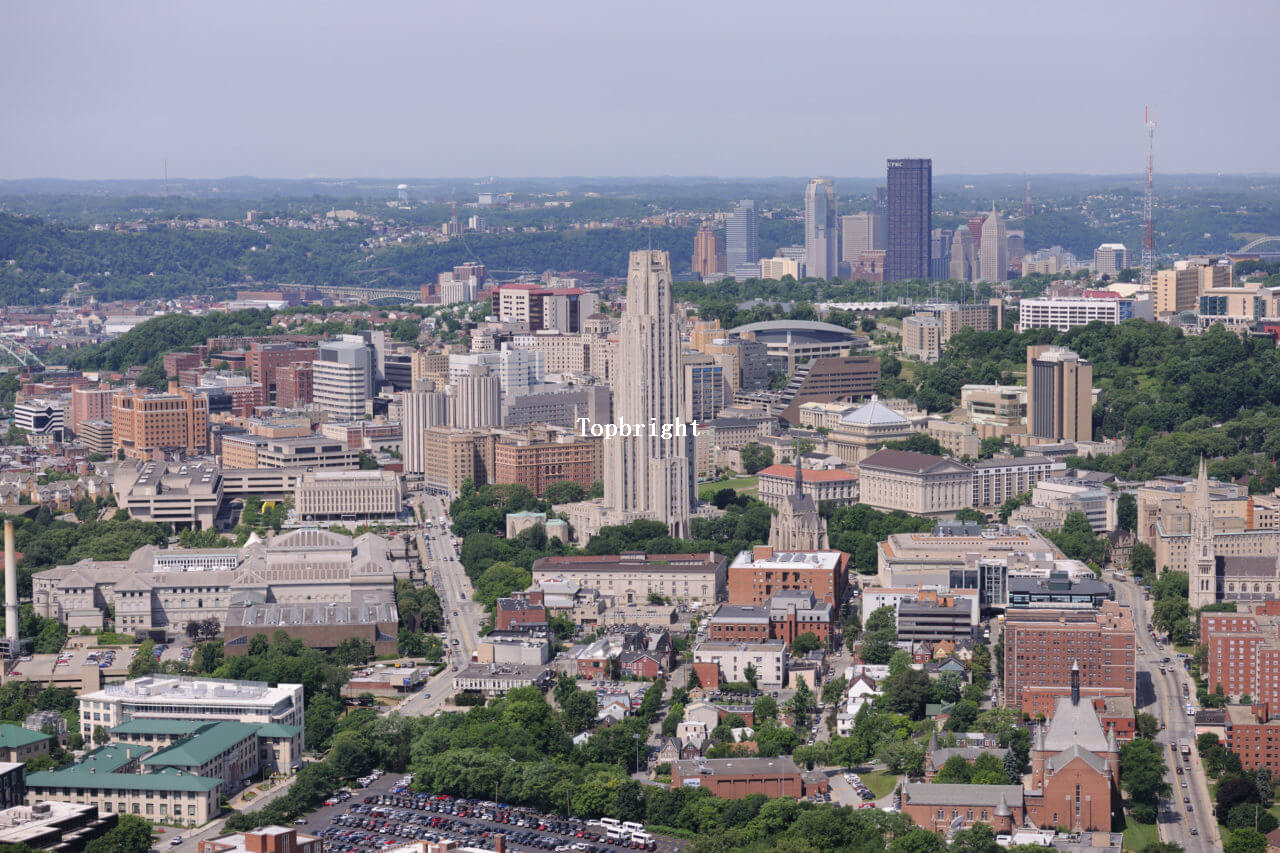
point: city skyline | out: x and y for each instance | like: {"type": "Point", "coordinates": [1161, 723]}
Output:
{"type": "Point", "coordinates": [259, 100]}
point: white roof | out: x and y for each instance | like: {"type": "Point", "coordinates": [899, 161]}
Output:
{"type": "Point", "coordinates": [874, 413]}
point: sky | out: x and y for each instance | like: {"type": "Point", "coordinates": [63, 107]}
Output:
{"type": "Point", "coordinates": [292, 89]}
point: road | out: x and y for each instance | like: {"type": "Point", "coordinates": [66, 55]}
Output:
{"type": "Point", "coordinates": [445, 573]}
{"type": "Point", "coordinates": [1161, 694]}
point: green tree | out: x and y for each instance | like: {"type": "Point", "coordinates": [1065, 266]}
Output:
{"type": "Point", "coordinates": [563, 492]}
{"type": "Point", "coordinates": [765, 708]}
{"type": "Point", "coordinates": [1251, 816]}
{"type": "Point", "coordinates": [131, 834]}
{"type": "Point", "coordinates": [1245, 841]}
{"type": "Point", "coordinates": [1142, 559]}
{"type": "Point", "coordinates": [1142, 771]}
{"type": "Point", "coordinates": [1127, 512]}
{"type": "Point", "coordinates": [755, 457]}
{"type": "Point", "coordinates": [99, 735]}
{"type": "Point", "coordinates": [805, 643]}
{"type": "Point", "coordinates": [1147, 726]}
{"type": "Point", "coordinates": [749, 673]}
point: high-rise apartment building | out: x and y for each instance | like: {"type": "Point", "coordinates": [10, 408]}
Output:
{"type": "Point", "coordinates": [647, 475]}
{"type": "Point", "coordinates": [994, 253]}
{"type": "Point", "coordinates": [1059, 394]}
{"type": "Point", "coordinates": [910, 219]}
{"type": "Point", "coordinates": [477, 403]}
{"type": "Point", "coordinates": [1042, 647]}
{"type": "Point", "coordinates": [538, 457]}
{"type": "Point", "coordinates": [420, 410]}
{"type": "Point", "coordinates": [263, 360]}
{"type": "Point", "coordinates": [821, 239]}
{"type": "Point", "coordinates": [143, 422]}
{"type": "Point", "coordinates": [860, 232]}
{"type": "Point", "coordinates": [294, 385]}
{"type": "Point", "coordinates": [742, 239]}
{"type": "Point", "coordinates": [708, 252]}
{"type": "Point", "coordinates": [91, 404]}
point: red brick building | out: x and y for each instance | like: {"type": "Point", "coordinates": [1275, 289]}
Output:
{"type": "Point", "coordinates": [1254, 738]}
{"type": "Point", "coordinates": [754, 578]}
{"type": "Point", "coordinates": [736, 778]}
{"type": "Point", "coordinates": [1042, 646]}
{"type": "Point", "coordinates": [541, 457]}
{"type": "Point", "coordinates": [787, 615]}
{"type": "Point", "coordinates": [264, 360]}
{"type": "Point", "coordinates": [511, 614]}
{"type": "Point", "coordinates": [175, 362]}
{"type": "Point", "coordinates": [1243, 655]}
{"type": "Point", "coordinates": [293, 384]}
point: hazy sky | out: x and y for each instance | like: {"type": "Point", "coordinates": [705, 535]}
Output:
{"type": "Point", "coordinates": [279, 88]}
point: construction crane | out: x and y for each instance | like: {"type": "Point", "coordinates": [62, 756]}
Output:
{"type": "Point", "coordinates": [1149, 204]}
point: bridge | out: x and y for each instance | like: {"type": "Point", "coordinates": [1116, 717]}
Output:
{"type": "Point", "coordinates": [1249, 251]}
{"type": "Point", "coordinates": [369, 294]}
{"type": "Point", "coordinates": [19, 352]}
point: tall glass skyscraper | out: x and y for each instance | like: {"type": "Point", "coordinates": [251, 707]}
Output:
{"type": "Point", "coordinates": [910, 219]}
{"type": "Point", "coordinates": [821, 239]}
{"type": "Point", "coordinates": [742, 238]}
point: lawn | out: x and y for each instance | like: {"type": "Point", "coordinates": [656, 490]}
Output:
{"type": "Point", "coordinates": [745, 485]}
{"type": "Point", "coordinates": [879, 782]}
{"type": "Point", "coordinates": [1139, 835]}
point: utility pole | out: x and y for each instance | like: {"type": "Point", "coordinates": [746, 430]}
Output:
{"type": "Point", "coordinates": [1149, 204]}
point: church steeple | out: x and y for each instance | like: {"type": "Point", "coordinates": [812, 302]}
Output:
{"type": "Point", "coordinates": [1202, 563]}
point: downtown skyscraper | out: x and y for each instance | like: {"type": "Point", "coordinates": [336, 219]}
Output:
{"type": "Point", "coordinates": [910, 213]}
{"type": "Point", "coordinates": [821, 236]}
{"type": "Point", "coordinates": [645, 475]}
{"type": "Point", "coordinates": [742, 239]}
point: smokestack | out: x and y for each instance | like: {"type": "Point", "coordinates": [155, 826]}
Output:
{"type": "Point", "coordinates": [10, 587]}
{"type": "Point", "coordinates": [1075, 682]}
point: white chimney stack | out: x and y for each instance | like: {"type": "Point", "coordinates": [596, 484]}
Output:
{"type": "Point", "coordinates": [10, 588]}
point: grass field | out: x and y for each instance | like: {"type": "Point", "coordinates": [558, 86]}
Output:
{"type": "Point", "coordinates": [879, 782]}
{"type": "Point", "coordinates": [1139, 835]}
{"type": "Point", "coordinates": [744, 485]}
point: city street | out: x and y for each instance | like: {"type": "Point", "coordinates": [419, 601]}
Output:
{"type": "Point", "coordinates": [1161, 694]}
{"type": "Point", "coordinates": [445, 573]}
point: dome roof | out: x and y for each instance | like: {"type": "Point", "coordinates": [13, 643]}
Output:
{"type": "Point", "coordinates": [874, 413]}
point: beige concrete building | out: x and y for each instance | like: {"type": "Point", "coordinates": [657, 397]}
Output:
{"type": "Point", "coordinates": [777, 483]}
{"type": "Point", "coordinates": [181, 494]}
{"type": "Point", "coordinates": [859, 433]}
{"type": "Point", "coordinates": [1179, 289]}
{"type": "Point", "coordinates": [995, 410]}
{"type": "Point", "coordinates": [914, 482]}
{"type": "Point", "coordinates": [768, 657]}
{"type": "Point", "coordinates": [958, 439]}
{"type": "Point", "coordinates": [311, 451]}
{"type": "Point", "coordinates": [1059, 394]}
{"type": "Point", "coordinates": [860, 232]}
{"type": "Point", "coordinates": [1000, 478]}
{"type": "Point", "coordinates": [169, 588]}
{"type": "Point", "coordinates": [142, 422]}
{"type": "Point", "coordinates": [922, 337]}
{"type": "Point", "coordinates": [454, 456]}
{"type": "Point", "coordinates": [993, 249]}
{"type": "Point", "coordinates": [349, 495]}
{"type": "Point", "coordinates": [779, 268]}
{"type": "Point", "coordinates": [632, 577]}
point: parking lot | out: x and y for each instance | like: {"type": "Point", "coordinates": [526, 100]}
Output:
{"type": "Point", "coordinates": [387, 814]}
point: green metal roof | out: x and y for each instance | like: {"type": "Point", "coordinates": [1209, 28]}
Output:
{"type": "Point", "coordinates": [157, 726]}
{"type": "Point", "coordinates": [109, 758]}
{"type": "Point", "coordinates": [278, 730]}
{"type": "Point", "coordinates": [77, 777]}
{"type": "Point", "coordinates": [203, 746]}
{"type": "Point", "coordinates": [12, 736]}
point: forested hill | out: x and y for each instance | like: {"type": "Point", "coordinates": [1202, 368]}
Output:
{"type": "Point", "coordinates": [46, 260]}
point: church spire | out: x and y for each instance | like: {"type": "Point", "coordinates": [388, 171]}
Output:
{"type": "Point", "coordinates": [795, 449]}
{"type": "Point", "coordinates": [1202, 485]}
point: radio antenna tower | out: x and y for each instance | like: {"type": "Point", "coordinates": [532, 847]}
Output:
{"type": "Point", "coordinates": [1148, 206]}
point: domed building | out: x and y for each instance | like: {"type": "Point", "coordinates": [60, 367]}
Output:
{"type": "Point", "coordinates": [861, 432]}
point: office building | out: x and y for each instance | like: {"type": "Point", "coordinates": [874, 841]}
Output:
{"type": "Point", "coordinates": [821, 237]}
{"type": "Point", "coordinates": [860, 232]}
{"type": "Point", "coordinates": [914, 482]}
{"type": "Point", "coordinates": [1001, 478]}
{"type": "Point", "coordinates": [541, 308]}
{"type": "Point", "coordinates": [786, 615]}
{"type": "Point", "coordinates": [993, 257]}
{"type": "Point", "coordinates": [1059, 394]}
{"type": "Point", "coordinates": [829, 380]}
{"type": "Point", "coordinates": [755, 576]}
{"type": "Point", "coordinates": [779, 268]}
{"type": "Point", "coordinates": [559, 405]}
{"type": "Point", "coordinates": [309, 451]}
{"type": "Point", "coordinates": [961, 260]}
{"type": "Point", "coordinates": [647, 476]}
{"type": "Point", "coordinates": [777, 483]}
{"type": "Point", "coordinates": [1110, 258]}
{"type": "Point", "coordinates": [264, 360]}
{"type": "Point", "coordinates": [540, 456]}
{"type": "Point", "coordinates": [420, 410]}
{"type": "Point", "coordinates": [186, 495]}
{"type": "Point", "coordinates": [995, 410]}
{"type": "Point", "coordinates": [455, 456]}
{"type": "Point", "coordinates": [742, 240]}
{"type": "Point", "coordinates": [1043, 647]}
{"type": "Point", "coordinates": [43, 421]}
{"type": "Point", "coordinates": [922, 337]}
{"type": "Point", "coordinates": [359, 496]}
{"type": "Point", "coordinates": [1067, 312]}
{"type": "Point", "coordinates": [1243, 653]}
{"type": "Point", "coordinates": [190, 698]}
{"type": "Point", "coordinates": [705, 391]}
{"type": "Point", "coordinates": [910, 219]}
{"type": "Point", "coordinates": [142, 422]}
{"type": "Point", "coordinates": [340, 388]}
{"type": "Point", "coordinates": [632, 577]}
{"type": "Point", "coordinates": [708, 252]}
{"type": "Point", "coordinates": [1179, 289]}
{"type": "Point", "coordinates": [90, 404]}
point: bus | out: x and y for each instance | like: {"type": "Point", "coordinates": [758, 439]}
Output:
{"type": "Point", "coordinates": [610, 823]}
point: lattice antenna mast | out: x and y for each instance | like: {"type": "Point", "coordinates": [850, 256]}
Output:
{"type": "Point", "coordinates": [1149, 204]}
